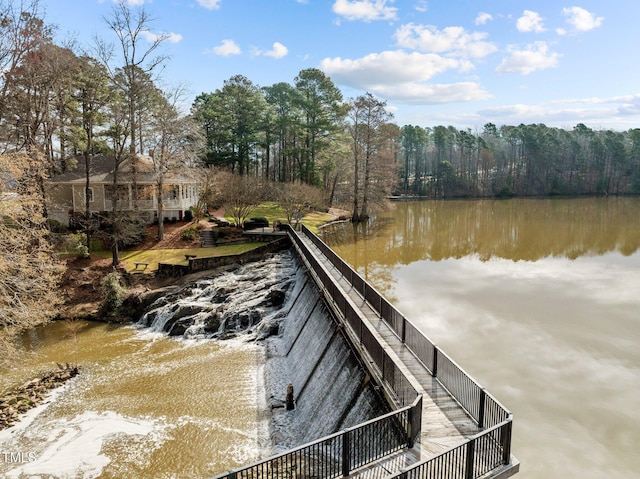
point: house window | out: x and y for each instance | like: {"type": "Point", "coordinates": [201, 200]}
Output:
{"type": "Point", "coordinates": [90, 195]}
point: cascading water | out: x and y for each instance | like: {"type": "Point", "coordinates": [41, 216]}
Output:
{"type": "Point", "coordinates": [150, 406]}
{"type": "Point", "coordinates": [247, 300]}
{"type": "Point", "coordinates": [331, 388]}
{"type": "Point", "coordinates": [277, 301]}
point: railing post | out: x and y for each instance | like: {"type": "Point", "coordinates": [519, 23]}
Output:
{"type": "Point", "coordinates": [506, 442]}
{"type": "Point", "coordinates": [483, 397]}
{"type": "Point", "coordinates": [410, 426]}
{"type": "Point", "coordinates": [435, 361]}
{"type": "Point", "coordinates": [471, 446]}
{"type": "Point", "coordinates": [403, 335]}
{"type": "Point", "coordinates": [345, 453]}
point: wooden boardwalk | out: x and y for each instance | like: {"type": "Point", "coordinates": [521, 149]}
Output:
{"type": "Point", "coordinates": [444, 423]}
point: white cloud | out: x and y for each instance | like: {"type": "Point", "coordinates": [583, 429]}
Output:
{"type": "Point", "coordinates": [422, 6]}
{"type": "Point", "coordinates": [433, 94]}
{"type": "Point", "coordinates": [603, 112]}
{"type": "Point", "coordinates": [530, 22]}
{"type": "Point", "coordinates": [483, 18]}
{"type": "Point", "coordinates": [169, 37]}
{"type": "Point", "coordinates": [388, 68]}
{"type": "Point", "coordinates": [210, 4]}
{"type": "Point", "coordinates": [132, 3]}
{"type": "Point", "coordinates": [455, 40]}
{"type": "Point", "coordinates": [581, 20]}
{"type": "Point", "coordinates": [535, 57]}
{"type": "Point", "coordinates": [228, 48]}
{"type": "Point", "coordinates": [366, 10]}
{"type": "Point", "coordinates": [278, 50]}
{"type": "Point", "coordinates": [402, 77]}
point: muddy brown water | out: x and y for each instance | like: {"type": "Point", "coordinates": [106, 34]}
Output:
{"type": "Point", "coordinates": [539, 300]}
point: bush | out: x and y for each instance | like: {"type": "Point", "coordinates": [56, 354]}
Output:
{"type": "Point", "coordinates": [76, 244]}
{"type": "Point", "coordinates": [114, 293]}
{"type": "Point", "coordinates": [188, 215]}
{"type": "Point", "coordinates": [190, 234]}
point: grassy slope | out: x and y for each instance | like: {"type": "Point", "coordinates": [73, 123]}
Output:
{"type": "Point", "coordinates": [272, 212]}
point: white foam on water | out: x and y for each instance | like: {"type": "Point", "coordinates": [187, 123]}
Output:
{"type": "Point", "coordinates": [72, 448]}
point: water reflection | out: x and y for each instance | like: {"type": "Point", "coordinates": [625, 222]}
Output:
{"type": "Point", "coordinates": [538, 300]}
{"type": "Point", "coordinates": [517, 229]}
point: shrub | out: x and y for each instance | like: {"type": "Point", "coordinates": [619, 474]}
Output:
{"type": "Point", "coordinates": [76, 244]}
{"type": "Point", "coordinates": [190, 234]}
{"type": "Point", "coordinates": [188, 215]}
{"type": "Point", "coordinates": [114, 293]}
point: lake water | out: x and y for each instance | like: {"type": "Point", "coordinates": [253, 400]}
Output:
{"type": "Point", "coordinates": [539, 300]}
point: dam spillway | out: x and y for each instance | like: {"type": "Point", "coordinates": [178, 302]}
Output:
{"type": "Point", "coordinates": [340, 345]}
{"type": "Point", "coordinates": [331, 388]}
{"type": "Point", "coordinates": [444, 424]}
{"type": "Point", "coordinates": [276, 302]}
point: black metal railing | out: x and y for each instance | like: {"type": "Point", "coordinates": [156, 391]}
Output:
{"type": "Point", "coordinates": [338, 454]}
{"type": "Point", "coordinates": [489, 448]}
{"type": "Point", "coordinates": [476, 457]}
{"type": "Point", "coordinates": [483, 408]}
{"type": "Point", "coordinates": [343, 452]}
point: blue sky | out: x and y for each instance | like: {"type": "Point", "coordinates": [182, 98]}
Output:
{"type": "Point", "coordinates": [435, 62]}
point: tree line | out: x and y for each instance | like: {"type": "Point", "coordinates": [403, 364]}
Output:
{"type": "Point", "coordinates": [523, 160]}
{"type": "Point", "coordinates": [303, 132]}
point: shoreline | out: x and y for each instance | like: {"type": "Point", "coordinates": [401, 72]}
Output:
{"type": "Point", "coordinates": [18, 401]}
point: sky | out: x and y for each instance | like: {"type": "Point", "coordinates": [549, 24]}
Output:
{"type": "Point", "coordinates": [435, 62]}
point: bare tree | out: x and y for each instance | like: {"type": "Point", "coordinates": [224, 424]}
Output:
{"type": "Point", "coordinates": [138, 63]}
{"type": "Point", "coordinates": [177, 140]}
{"type": "Point", "coordinates": [372, 147]}
{"type": "Point", "coordinates": [297, 199]}
{"type": "Point", "coordinates": [29, 269]}
{"type": "Point", "coordinates": [239, 194]}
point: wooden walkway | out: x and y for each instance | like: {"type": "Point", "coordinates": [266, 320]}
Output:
{"type": "Point", "coordinates": [444, 423]}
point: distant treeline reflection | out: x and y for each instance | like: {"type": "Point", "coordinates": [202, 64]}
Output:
{"type": "Point", "coordinates": [515, 229]}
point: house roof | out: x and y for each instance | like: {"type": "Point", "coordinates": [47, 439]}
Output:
{"type": "Point", "coordinates": [102, 166]}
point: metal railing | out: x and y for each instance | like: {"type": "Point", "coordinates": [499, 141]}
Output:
{"type": "Point", "coordinates": [482, 453]}
{"type": "Point", "coordinates": [479, 404]}
{"type": "Point", "coordinates": [338, 454]}
{"type": "Point", "coordinates": [341, 453]}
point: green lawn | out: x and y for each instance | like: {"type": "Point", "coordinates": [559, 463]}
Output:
{"type": "Point", "coordinates": [315, 219]}
{"type": "Point", "coordinates": [269, 210]}
{"type": "Point", "coordinates": [177, 256]}
{"type": "Point", "coordinates": [272, 212]}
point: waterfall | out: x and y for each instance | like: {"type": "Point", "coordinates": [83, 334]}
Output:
{"type": "Point", "coordinates": [276, 301]}
{"type": "Point", "coordinates": [247, 300]}
{"type": "Point", "coordinates": [331, 388]}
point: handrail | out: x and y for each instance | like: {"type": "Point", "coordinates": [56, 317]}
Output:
{"type": "Point", "coordinates": [337, 454]}
{"type": "Point", "coordinates": [347, 450]}
{"type": "Point", "coordinates": [472, 397]}
{"type": "Point", "coordinates": [482, 450]}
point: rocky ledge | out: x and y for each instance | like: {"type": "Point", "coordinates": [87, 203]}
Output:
{"type": "Point", "coordinates": [31, 394]}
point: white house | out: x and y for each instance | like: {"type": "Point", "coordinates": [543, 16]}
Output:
{"type": "Point", "coordinates": [136, 187]}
